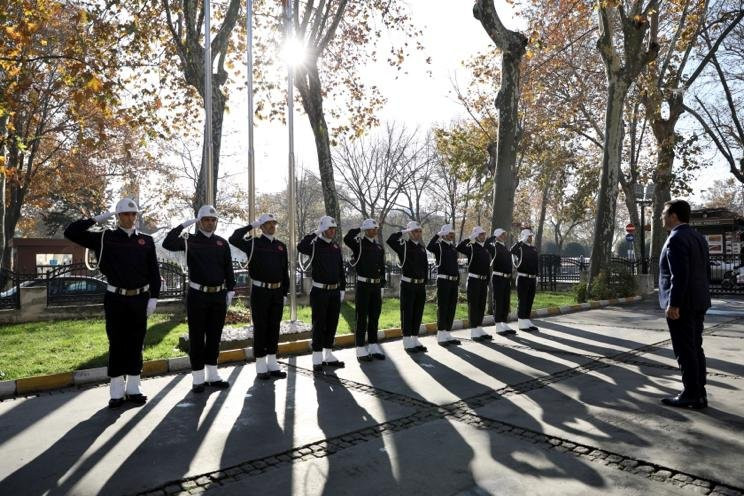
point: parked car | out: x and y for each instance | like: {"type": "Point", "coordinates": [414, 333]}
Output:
{"type": "Point", "coordinates": [242, 282]}
{"type": "Point", "coordinates": [25, 284]}
{"type": "Point", "coordinates": [719, 268]}
{"type": "Point", "coordinates": [74, 287]}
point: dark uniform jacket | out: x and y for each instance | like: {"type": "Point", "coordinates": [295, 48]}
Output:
{"type": "Point", "coordinates": [684, 270]}
{"type": "Point", "coordinates": [327, 262]}
{"type": "Point", "coordinates": [413, 256]}
{"type": "Point", "coordinates": [128, 262]}
{"type": "Point", "coordinates": [502, 261]}
{"type": "Point", "coordinates": [209, 258]}
{"type": "Point", "coordinates": [372, 261]}
{"type": "Point", "coordinates": [479, 257]}
{"type": "Point", "coordinates": [445, 255]}
{"type": "Point", "coordinates": [526, 258]}
{"type": "Point", "coordinates": [269, 260]}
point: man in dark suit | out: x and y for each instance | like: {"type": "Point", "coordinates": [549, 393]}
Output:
{"type": "Point", "coordinates": [684, 272]}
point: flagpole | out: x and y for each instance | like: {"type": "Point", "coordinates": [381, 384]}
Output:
{"type": "Point", "coordinates": [209, 173]}
{"type": "Point", "coordinates": [251, 152]}
{"type": "Point", "coordinates": [291, 180]}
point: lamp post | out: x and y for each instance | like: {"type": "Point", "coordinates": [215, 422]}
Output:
{"type": "Point", "coordinates": [643, 197]}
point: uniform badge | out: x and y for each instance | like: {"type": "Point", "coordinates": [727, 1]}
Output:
{"type": "Point", "coordinates": [141, 242]}
{"type": "Point", "coordinates": [280, 248]}
{"type": "Point", "coordinates": [335, 246]}
{"type": "Point", "coordinates": [220, 243]}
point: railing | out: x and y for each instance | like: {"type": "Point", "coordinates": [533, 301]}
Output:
{"type": "Point", "coordinates": [10, 290]}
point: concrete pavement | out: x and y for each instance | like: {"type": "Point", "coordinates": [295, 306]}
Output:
{"type": "Point", "coordinates": [573, 409]}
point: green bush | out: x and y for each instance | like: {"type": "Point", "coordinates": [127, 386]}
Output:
{"type": "Point", "coordinates": [608, 284]}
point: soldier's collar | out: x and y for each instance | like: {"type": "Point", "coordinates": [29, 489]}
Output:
{"type": "Point", "coordinates": [130, 231]}
{"type": "Point", "coordinates": [327, 240]}
{"type": "Point", "coordinates": [270, 237]}
{"type": "Point", "coordinates": [445, 241]}
{"type": "Point", "coordinates": [206, 233]}
{"type": "Point", "coordinates": [371, 240]}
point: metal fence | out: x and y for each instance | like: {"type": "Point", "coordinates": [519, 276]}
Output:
{"type": "Point", "coordinates": [10, 290]}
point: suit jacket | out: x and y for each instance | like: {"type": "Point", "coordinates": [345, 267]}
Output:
{"type": "Point", "coordinates": [684, 271]}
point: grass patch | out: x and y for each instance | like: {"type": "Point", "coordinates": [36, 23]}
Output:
{"type": "Point", "coordinates": [39, 348]}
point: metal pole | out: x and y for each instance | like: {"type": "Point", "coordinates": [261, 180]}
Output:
{"type": "Point", "coordinates": [644, 265]}
{"type": "Point", "coordinates": [291, 178]}
{"type": "Point", "coordinates": [209, 173]}
{"type": "Point", "coordinates": [251, 154]}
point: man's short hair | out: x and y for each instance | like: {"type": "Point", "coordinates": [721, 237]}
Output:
{"type": "Point", "coordinates": [679, 207]}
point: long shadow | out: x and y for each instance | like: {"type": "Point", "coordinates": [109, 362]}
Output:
{"type": "Point", "coordinates": [22, 414]}
{"type": "Point", "coordinates": [173, 442]}
{"type": "Point", "coordinates": [41, 476]}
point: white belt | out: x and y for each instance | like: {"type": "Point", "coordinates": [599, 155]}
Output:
{"type": "Point", "coordinates": [476, 276]}
{"type": "Point", "coordinates": [127, 292]}
{"type": "Point", "coordinates": [320, 285]}
{"type": "Point", "coordinates": [412, 281]}
{"type": "Point", "coordinates": [502, 274]}
{"type": "Point", "coordinates": [206, 289]}
{"type": "Point", "coordinates": [267, 285]}
{"type": "Point", "coordinates": [522, 274]}
{"type": "Point", "coordinates": [446, 277]}
{"type": "Point", "coordinates": [368, 280]}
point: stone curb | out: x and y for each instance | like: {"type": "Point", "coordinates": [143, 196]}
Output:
{"type": "Point", "coordinates": [150, 368]}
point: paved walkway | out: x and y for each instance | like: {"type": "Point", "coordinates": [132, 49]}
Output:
{"type": "Point", "coordinates": [573, 409]}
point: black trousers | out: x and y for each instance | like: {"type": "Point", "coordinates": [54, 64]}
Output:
{"type": "Point", "coordinates": [526, 287]}
{"type": "Point", "coordinates": [687, 343]}
{"type": "Point", "coordinates": [501, 298]}
{"type": "Point", "coordinates": [447, 292]}
{"type": "Point", "coordinates": [368, 301]}
{"type": "Point", "coordinates": [267, 307]}
{"type": "Point", "coordinates": [412, 300]}
{"type": "Point", "coordinates": [206, 317]}
{"type": "Point", "coordinates": [477, 294]}
{"type": "Point", "coordinates": [326, 307]}
{"type": "Point", "coordinates": [126, 325]}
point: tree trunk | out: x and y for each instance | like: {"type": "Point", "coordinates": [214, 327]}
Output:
{"type": "Point", "coordinates": [311, 93]}
{"type": "Point", "coordinates": [3, 238]}
{"type": "Point", "coordinates": [541, 220]}
{"type": "Point", "coordinates": [635, 219]}
{"type": "Point", "coordinates": [604, 225]}
{"type": "Point", "coordinates": [218, 113]}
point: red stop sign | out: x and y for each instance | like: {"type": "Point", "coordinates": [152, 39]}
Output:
{"type": "Point", "coordinates": [630, 229]}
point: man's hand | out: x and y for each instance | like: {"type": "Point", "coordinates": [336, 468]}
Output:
{"type": "Point", "coordinates": [103, 217]}
{"type": "Point", "coordinates": [341, 295]}
{"type": "Point", "coordinates": [229, 298]}
{"type": "Point", "coordinates": [151, 304]}
{"type": "Point", "coordinates": [187, 223]}
{"type": "Point", "coordinates": [672, 313]}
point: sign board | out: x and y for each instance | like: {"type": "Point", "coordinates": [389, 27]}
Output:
{"type": "Point", "coordinates": [629, 238]}
{"type": "Point", "coordinates": [630, 229]}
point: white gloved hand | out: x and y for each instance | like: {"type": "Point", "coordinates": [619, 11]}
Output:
{"type": "Point", "coordinates": [187, 223]}
{"type": "Point", "coordinates": [285, 301]}
{"type": "Point", "coordinates": [342, 294]}
{"type": "Point", "coordinates": [318, 233]}
{"type": "Point", "coordinates": [103, 217]}
{"type": "Point", "coordinates": [382, 292]}
{"type": "Point", "coordinates": [255, 224]}
{"type": "Point", "coordinates": [151, 304]}
{"type": "Point", "coordinates": [229, 297]}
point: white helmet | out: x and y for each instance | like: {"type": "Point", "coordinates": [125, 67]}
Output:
{"type": "Point", "coordinates": [412, 226]}
{"type": "Point", "coordinates": [498, 232]}
{"type": "Point", "coordinates": [326, 222]}
{"type": "Point", "coordinates": [369, 224]}
{"type": "Point", "coordinates": [126, 205]}
{"type": "Point", "coordinates": [524, 235]}
{"type": "Point", "coordinates": [207, 211]}
{"type": "Point", "coordinates": [445, 230]}
{"type": "Point", "coordinates": [477, 230]}
{"type": "Point", "coordinates": [264, 218]}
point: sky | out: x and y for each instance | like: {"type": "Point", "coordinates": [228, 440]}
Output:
{"type": "Point", "coordinates": [419, 99]}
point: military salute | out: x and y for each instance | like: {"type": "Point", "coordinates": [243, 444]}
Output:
{"type": "Point", "coordinates": [501, 281]}
{"type": "Point", "coordinates": [368, 258]}
{"type": "Point", "coordinates": [415, 274]}
{"type": "Point", "coordinates": [127, 258]}
{"type": "Point", "coordinates": [524, 257]}
{"type": "Point", "coordinates": [448, 280]}
{"type": "Point", "coordinates": [268, 267]}
{"type": "Point", "coordinates": [329, 284]}
{"type": "Point", "coordinates": [479, 268]}
{"type": "Point", "coordinates": [211, 283]}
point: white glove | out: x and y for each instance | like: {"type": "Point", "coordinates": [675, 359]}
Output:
{"type": "Point", "coordinates": [318, 233]}
{"type": "Point", "coordinates": [285, 301]}
{"type": "Point", "coordinates": [229, 297]}
{"type": "Point", "coordinates": [151, 304]}
{"type": "Point", "coordinates": [255, 224]}
{"type": "Point", "coordinates": [342, 294]}
{"type": "Point", "coordinates": [382, 292]}
{"type": "Point", "coordinates": [187, 223]}
{"type": "Point", "coordinates": [103, 217]}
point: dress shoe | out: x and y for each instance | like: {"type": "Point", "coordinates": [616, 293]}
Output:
{"type": "Point", "coordinates": [507, 332]}
{"type": "Point", "coordinates": [116, 402]}
{"type": "Point", "coordinates": [137, 399]}
{"type": "Point", "coordinates": [318, 369]}
{"type": "Point", "coordinates": [378, 356]}
{"type": "Point", "coordinates": [264, 376]}
{"type": "Point", "coordinates": [681, 402]}
{"type": "Point", "coordinates": [533, 329]}
{"type": "Point", "coordinates": [422, 348]}
{"type": "Point", "coordinates": [198, 388]}
{"type": "Point", "coordinates": [454, 342]}
{"type": "Point", "coordinates": [413, 349]}
{"type": "Point", "coordinates": [218, 384]}
{"type": "Point", "coordinates": [365, 358]}
{"type": "Point", "coordinates": [278, 374]}
{"type": "Point", "coordinates": [485, 337]}
{"type": "Point", "coordinates": [335, 363]}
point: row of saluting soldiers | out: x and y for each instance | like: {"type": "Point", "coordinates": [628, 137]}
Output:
{"type": "Point", "coordinates": [128, 260]}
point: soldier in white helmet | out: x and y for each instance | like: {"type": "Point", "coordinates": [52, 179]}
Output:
{"type": "Point", "coordinates": [268, 266]}
{"type": "Point", "coordinates": [479, 270]}
{"type": "Point", "coordinates": [415, 273]}
{"type": "Point", "coordinates": [501, 266]}
{"type": "Point", "coordinates": [329, 287]}
{"type": "Point", "coordinates": [448, 282]}
{"type": "Point", "coordinates": [368, 259]}
{"type": "Point", "coordinates": [211, 290]}
{"type": "Point", "coordinates": [128, 260]}
{"type": "Point", "coordinates": [525, 259]}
